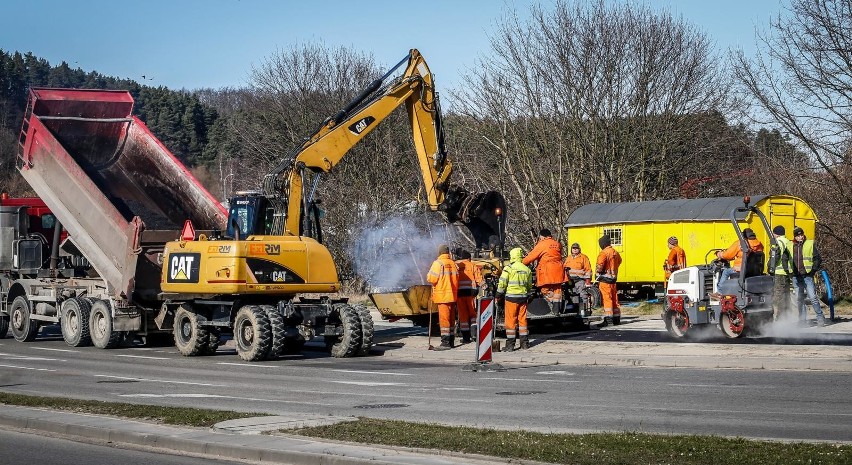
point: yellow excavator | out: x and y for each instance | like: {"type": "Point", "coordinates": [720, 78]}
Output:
{"type": "Point", "coordinates": [251, 279]}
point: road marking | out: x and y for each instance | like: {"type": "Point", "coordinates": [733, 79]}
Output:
{"type": "Point", "coordinates": [167, 381]}
{"type": "Point", "coordinates": [538, 380]}
{"type": "Point", "coordinates": [373, 372]}
{"type": "Point", "coordinates": [367, 383]}
{"type": "Point", "coordinates": [26, 368]}
{"type": "Point", "coordinates": [27, 357]}
{"type": "Point", "coordinates": [247, 365]}
{"type": "Point", "coordinates": [55, 350]}
{"type": "Point", "coordinates": [142, 356]}
{"type": "Point", "coordinates": [457, 389]}
{"type": "Point", "coordinates": [179, 396]}
{"type": "Point", "coordinates": [218, 396]}
{"type": "Point", "coordinates": [723, 385]}
{"type": "Point", "coordinates": [555, 372]}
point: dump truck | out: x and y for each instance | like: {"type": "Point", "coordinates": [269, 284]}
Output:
{"type": "Point", "coordinates": [116, 196]}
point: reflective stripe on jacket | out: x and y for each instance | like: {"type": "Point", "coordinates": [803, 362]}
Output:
{"type": "Point", "coordinates": [548, 252]}
{"type": "Point", "coordinates": [578, 267]}
{"type": "Point", "coordinates": [515, 280]}
{"type": "Point", "coordinates": [469, 278]}
{"type": "Point", "coordinates": [735, 252]}
{"type": "Point", "coordinates": [444, 278]}
{"type": "Point", "coordinates": [784, 247]}
{"type": "Point", "coordinates": [676, 260]}
{"type": "Point", "coordinates": [607, 264]}
{"type": "Point", "coordinates": [805, 256]}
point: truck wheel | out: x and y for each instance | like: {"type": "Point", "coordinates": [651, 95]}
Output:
{"type": "Point", "coordinates": [100, 326]}
{"type": "Point", "coordinates": [732, 323]}
{"type": "Point", "coordinates": [276, 325]}
{"type": "Point", "coordinates": [191, 337]}
{"type": "Point", "coordinates": [213, 339]}
{"type": "Point", "coordinates": [4, 326]}
{"type": "Point", "coordinates": [74, 322]}
{"type": "Point", "coordinates": [252, 333]}
{"type": "Point", "coordinates": [23, 328]}
{"type": "Point", "coordinates": [677, 324]}
{"type": "Point", "coordinates": [349, 343]}
{"type": "Point", "coordinates": [366, 330]}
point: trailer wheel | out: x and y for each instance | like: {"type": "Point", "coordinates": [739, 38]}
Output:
{"type": "Point", "coordinates": [4, 326]}
{"type": "Point", "coordinates": [191, 338]}
{"type": "Point", "coordinates": [213, 340]}
{"type": "Point", "coordinates": [252, 333]}
{"type": "Point", "coordinates": [732, 323]}
{"type": "Point", "coordinates": [100, 326]}
{"type": "Point", "coordinates": [276, 325]}
{"type": "Point", "coordinates": [677, 324]}
{"type": "Point", "coordinates": [74, 322]}
{"type": "Point", "coordinates": [23, 328]}
{"type": "Point", "coordinates": [349, 343]}
{"type": "Point", "coordinates": [366, 330]}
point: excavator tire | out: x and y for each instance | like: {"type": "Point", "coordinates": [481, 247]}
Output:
{"type": "Point", "coordinates": [252, 333]}
{"type": "Point", "coordinates": [4, 326]}
{"type": "Point", "coordinates": [366, 330]}
{"type": "Point", "coordinates": [100, 326]}
{"type": "Point", "coordinates": [276, 324]}
{"type": "Point", "coordinates": [191, 338]}
{"type": "Point", "coordinates": [349, 343]}
{"type": "Point", "coordinates": [24, 329]}
{"type": "Point", "coordinates": [74, 322]}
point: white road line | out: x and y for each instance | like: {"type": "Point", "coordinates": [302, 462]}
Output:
{"type": "Point", "coordinates": [165, 381]}
{"type": "Point", "coordinates": [248, 365]}
{"type": "Point", "coordinates": [26, 368]}
{"type": "Point", "coordinates": [27, 357]}
{"type": "Point", "coordinates": [142, 356]}
{"type": "Point", "coordinates": [373, 372]}
{"type": "Point", "coordinates": [457, 389]}
{"type": "Point", "coordinates": [556, 372]}
{"type": "Point", "coordinates": [55, 350]}
{"type": "Point", "coordinates": [533, 379]}
{"type": "Point", "coordinates": [722, 385]}
{"type": "Point", "coordinates": [367, 383]}
{"type": "Point", "coordinates": [217, 396]}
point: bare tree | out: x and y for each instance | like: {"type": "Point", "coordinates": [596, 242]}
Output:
{"type": "Point", "coordinates": [801, 80]}
{"type": "Point", "coordinates": [593, 102]}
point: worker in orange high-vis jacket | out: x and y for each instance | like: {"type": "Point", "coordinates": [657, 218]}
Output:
{"type": "Point", "coordinates": [735, 253]}
{"type": "Point", "coordinates": [470, 277]}
{"type": "Point", "coordinates": [578, 268]}
{"type": "Point", "coordinates": [606, 270]}
{"type": "Point", "coordinates": [513, 287]}
{"type": "Point", "coordinates": [444, 278]}
{"type": "Point", "coordinates": [549, 274]}
{"type": "Point", "coordinates": [676, 259]}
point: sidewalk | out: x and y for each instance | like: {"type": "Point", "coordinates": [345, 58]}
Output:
{"type": "Point", "coordinates": [247, 444]}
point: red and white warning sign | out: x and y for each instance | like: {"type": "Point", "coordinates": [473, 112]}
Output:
{"type": "Point", "coordinates": [485, 327]}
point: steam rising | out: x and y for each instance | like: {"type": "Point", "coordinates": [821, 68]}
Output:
{"type": "Point", "coordinates": [395, 253]}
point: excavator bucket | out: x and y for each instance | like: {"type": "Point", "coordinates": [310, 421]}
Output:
{"type": "Point", "coordinates": [484, 214]}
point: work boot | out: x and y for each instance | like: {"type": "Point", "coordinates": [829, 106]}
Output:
{"type": "Point", "coordinates": [446, 343]}
{"type": "Point", "coordinates": [465, 337]}
{"type": "Point", "coordinates": [606, 322]}
{"type": "Point", "coordinates": [510, 345]}
{"type": "Point", "coordinates": [525, 342]}
{"type": "Point", "coordinates": [820, 320]}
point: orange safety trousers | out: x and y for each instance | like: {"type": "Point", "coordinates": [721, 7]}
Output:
{"type": "Point", "coordinates": [552, 292]}
{"type": "Point", "coordinates": [467, 311]}
{"type": "Point", "coordinates": [446, 318]}
{"type": "Point", "coordinates": [609, 293]}
{"type": "Point", "coordinates": [516, 320]}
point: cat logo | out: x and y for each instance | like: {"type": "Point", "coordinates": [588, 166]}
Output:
{"type": "Point", "coordinates": [361, 125]}
{"type": "Point", "coordinates": [279, 276]}
{"type": "Point", "coordinates": [183, 267]}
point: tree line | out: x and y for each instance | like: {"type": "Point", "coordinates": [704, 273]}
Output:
{"type": "Point", "coordinates": [576, 102]}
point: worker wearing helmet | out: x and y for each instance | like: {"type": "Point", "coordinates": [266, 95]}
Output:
{"type": "Point", "coordinates": [578, 268]}
{"type": "Point", "coordinates": [470, 277]}
{"type": "Point", "coordinates": [806, 261]}
{"type": "Point", "coordinates": [676, 259]}
{"type": "Point", "coordinates": [549, 274]}
{"type": "Point", "coordinates": [444, 278]}
{"type": "Point", "coordinates": [606, 270]}
{"type": "Point", "coordinates": [514, 285]}
{"type": "Point", "coordinates": [735, 253]}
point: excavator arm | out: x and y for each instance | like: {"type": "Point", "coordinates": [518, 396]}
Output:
{"type": "Point", "coordinates": [290, 187]}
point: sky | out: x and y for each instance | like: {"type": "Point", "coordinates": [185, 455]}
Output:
{"type": "Point", "coordinates": [215, 43]}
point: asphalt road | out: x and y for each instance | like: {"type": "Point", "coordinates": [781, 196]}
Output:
{"type": "Point", "coordinates": [24, 448]}
{"type": "Point", "coordinates": [798, 405]}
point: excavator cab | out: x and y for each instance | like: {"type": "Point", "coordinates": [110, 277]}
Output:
{"type": "Point", "coordinates": [249, 214]}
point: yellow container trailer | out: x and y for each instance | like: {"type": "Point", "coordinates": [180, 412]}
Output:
{"type": "Point", "coordinates": [639, 230]}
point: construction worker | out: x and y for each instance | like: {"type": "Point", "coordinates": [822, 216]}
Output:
{"type": "Point", "coordinates": [444, 278]}
{"type": "Point", "coordinates": [781, 275]}
{"type": "Point", "coordinates": [578, 268]}
{"type": "Point", "coordinates": [805, 261]}
{"type": "Point", "coordinates": [549, 274]}
{"type": "Point", "coordinates": [470, 277]}
{"type": "Point", "coordinates": [606, 270]}
{"type": "Point", "coordinates": [734, 252]}
{"type": "Point", "coordinates": [676, 259]}
{"type": "Point", "coordinates": [514, 287]}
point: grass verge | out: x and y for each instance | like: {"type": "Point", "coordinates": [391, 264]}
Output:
{"type": "Point", "coordinates": [583, 449]}
{"type": "Point", "coordinates": [182, 416]}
